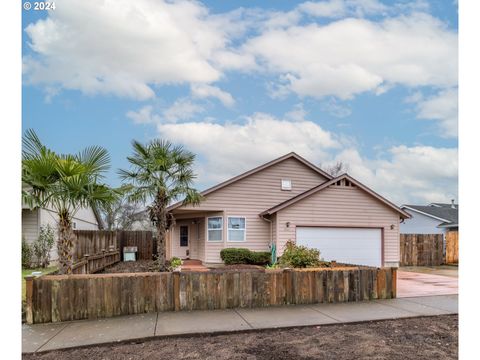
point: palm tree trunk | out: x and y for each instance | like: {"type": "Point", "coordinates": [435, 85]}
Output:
{"type": "Point", "coordinates": [160, 208]}
{"type": "Point", "coordinates": [65, 244]}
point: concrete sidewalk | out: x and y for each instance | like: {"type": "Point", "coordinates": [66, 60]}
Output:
{"type": "Point", "coordinates": [43, 337]}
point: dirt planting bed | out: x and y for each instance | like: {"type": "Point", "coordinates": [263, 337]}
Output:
{"type": "Point", "coordinates": [236, 268]}
{"type": "Point", "coordinates": [130, 267]}
{"type": "Point", "coordinates": [405, 339]}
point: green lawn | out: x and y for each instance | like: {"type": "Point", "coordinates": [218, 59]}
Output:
{"type": "Point", "coordinates": [26, 272]}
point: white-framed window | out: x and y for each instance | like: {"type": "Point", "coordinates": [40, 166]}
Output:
{"type": "Point", "coordinates": [286, 184]}
{"type": "Point", "coordinates": [237, 226]}
{"type": "Point", "coordinates": [215, 228]}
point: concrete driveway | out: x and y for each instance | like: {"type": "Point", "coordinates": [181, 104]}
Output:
{"type": "Point", "coordinates": [425, 281]}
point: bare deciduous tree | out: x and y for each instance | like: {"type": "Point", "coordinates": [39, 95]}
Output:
{"type": "Point", "coordinates": [337, 169]}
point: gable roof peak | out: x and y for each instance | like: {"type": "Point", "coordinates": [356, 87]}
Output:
{"type": "Point", "coordinates": [325, 185]}
{"type": "Point", "coordinates": [289, 155]}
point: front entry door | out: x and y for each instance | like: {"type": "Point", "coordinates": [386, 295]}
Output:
{"type": "Point", "coordinates": [184, 241]}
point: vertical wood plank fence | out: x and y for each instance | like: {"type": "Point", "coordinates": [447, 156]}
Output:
{"type": "Point", "coordinates": [451, 254]}
{"type": "Point", "coordinates": [143, 240]}
{"type": "Point", "coordinates": [54, 298]}
{"type": "Point", "coordinates": [421, 249]}
{"type": "Point", "coordinates": [96, 249]}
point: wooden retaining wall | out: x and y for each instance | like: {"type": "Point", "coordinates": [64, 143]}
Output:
{"type": "Point", "coordinates": [421, 249]}
{"type": "Point", "coordinates": [74, 297]}
{"type": "Point", "coordinates": [451, 253]}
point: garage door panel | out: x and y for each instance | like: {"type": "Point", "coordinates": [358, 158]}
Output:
{"type": "Point", "coordinates": [359, 246]}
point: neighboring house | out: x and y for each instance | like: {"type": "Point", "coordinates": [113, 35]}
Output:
{"type": "Point", "coordinates": [435, 218]}
{"type": "Point", "coordinates": [32, 220]}
{"type": "Point", "coordinates": [289, 199]}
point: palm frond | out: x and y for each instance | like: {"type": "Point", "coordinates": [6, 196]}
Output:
{"type": "Point", "coordinates": [95, 159]}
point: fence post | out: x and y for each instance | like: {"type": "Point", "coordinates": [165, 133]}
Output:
{"type": "Point", "coordinates": [394, 283]}
{"type": "Point", "coordinates": [29, 299]}
{"type": "Point", "coordinates": [287, 278]}
{"type": "Point", "coordinates": [85, 270]}
{"type": "Point", "coordinates": [104, 259]}
{"type": "Point", "coordinates": [176, 290]}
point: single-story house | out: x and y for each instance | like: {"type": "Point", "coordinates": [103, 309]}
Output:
{"type": "Point", "coordinates": [33, 220]}
{"type": "Point", "coordinates": [289, 198]}
{"type": "Point", "coordinates": [435, 218]}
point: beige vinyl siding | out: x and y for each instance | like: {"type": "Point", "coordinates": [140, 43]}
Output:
{"type": "Point", "coordinates": [30, 227]}
{"type": "Point", "coordinates": [341, 206]}
{"type": "Point", "coordinates": [250, 196]}
{"type": "Point", "coordinates": [274, 225]}
{"type": "Point", "coordinates": [201, 240]}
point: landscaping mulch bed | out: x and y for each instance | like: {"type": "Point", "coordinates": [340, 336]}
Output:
{"type": "Point", "coordinates": [130, 267]}
{"type": "Point", "coordinates": [404, 339]}
{"type": "Point", "coordinates": [238, 267]}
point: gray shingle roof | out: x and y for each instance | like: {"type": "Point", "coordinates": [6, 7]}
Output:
{"type": "Point", "coordinates": [442, 211]}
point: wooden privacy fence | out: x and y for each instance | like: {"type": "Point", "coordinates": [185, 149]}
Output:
{"type": "Point", "coordinates": [451, 253]}
{"type": "Point", "coordinates": [421, 249]}
{"type": "Point", "coordinates": [94, 251]}
{"type": "Point", "coordinates": [143, 240]}
{"type": "Point", "coordinates": [74, 297]}
{"type": "Point", "coordinates": [97, 249]}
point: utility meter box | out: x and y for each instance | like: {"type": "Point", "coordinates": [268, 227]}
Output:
{"type": "Point", "coordinates": [130, 253]}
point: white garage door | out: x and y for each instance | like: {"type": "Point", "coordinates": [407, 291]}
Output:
{"type": "Point", "coordinates": [345, 245]}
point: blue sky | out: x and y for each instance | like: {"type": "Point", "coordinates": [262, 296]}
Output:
{"type": "Point", "coordinates": [369, 83]}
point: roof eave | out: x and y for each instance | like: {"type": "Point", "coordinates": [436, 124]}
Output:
{"type": "Point", "coordinates": [255, 170]}
{"type": "Point", "coordinates": [324, 185]}
{"type": "Point", "coordinates": [426, 214]}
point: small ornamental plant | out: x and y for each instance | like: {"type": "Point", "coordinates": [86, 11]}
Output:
{"type": "Point", "coordinates": [175, 263]}
{"type": "Point", "coordinates": [26, 254]}
{"type": "Point", "coordinates": [43, 245]}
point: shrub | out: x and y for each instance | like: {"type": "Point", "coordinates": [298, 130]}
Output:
{"type": "Point", "coordinates": [232, 256]}
{"type": "Point", "coordinates": [299, 256]}
{"type": "Point", "coordinates": [175, 262]}
{"type": "Point", "coordinates": [43, 245]}
{"type": "Point", "coordinates": [260, 257]}
{"type": "Point", "coordinates": [26, 254]}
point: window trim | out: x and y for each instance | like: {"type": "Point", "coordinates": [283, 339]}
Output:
{"type": "Point", "coordinates": [244, 230]}
{"type": "Point", "coordinates": [286, 189]}
{"type": "Point", "coordinates": [180, 235]}
{"type": "Point", "coordinates": [221, 229]}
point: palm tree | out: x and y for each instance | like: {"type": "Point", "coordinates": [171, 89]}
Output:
{"type": "Point", "coordinates": [65, 183]}
{"type": "Point", "coordinates": [162, 173]}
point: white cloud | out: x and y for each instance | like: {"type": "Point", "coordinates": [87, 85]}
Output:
{"type": "Point", "coordinates": [335, 108]}
{"type": "Point", "coordinates": [182, 109]}
{"type": "Point", "coordinates": [312, 60]}
{"type": "Point", "coordinates": [124, 47]}
{"type": "Point", "coordinates": [298, 113]}
{"type": "Point", "coordinates": [332, 8]}
{"type": "Point", "coordinates": [340, 8]}
{"type": "Point", "coordinates": [81, 46]}
{"type": "Point", "coordinates": [231, 148]}
{"type": "Point", "coordinates": [205, 91]}
{"type": "Point", "coordinates": [143, 116]}
{"type": "Point", "coordinates": [442, 107]}
{"type": "Point", "coordinates": [419, 174]}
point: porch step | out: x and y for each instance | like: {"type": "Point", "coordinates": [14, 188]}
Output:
{"type": "Point", "coordinates": [191, 262]}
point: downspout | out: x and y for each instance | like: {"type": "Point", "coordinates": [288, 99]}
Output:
{"type": "Point", "coordinates": [273, 247]}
